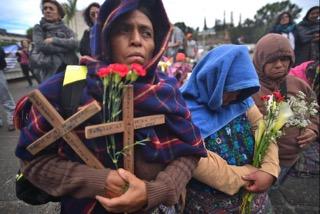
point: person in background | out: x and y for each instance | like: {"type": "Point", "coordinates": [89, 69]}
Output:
{"type": "Point", "coordinates": [218, 94]}
{"type": "Point", "coordinates": [285, 26]}
{"type": "Point", "coordinates": [273, 57]}
{"type": "Point", "coordinates": [23, 58]}
{"type": "Point", "coordinates": [309, 72]}
{"type": "Point", "coordinates": [180, 69]}
{"type": "Point", "coordinates": [6, 99]}
{"type": "Point", "coordinates": [55, 40]}
{"type": "Point", "coordinates": [192, 47]}
{"type": "Point", "coordinates": [176, 43]}
{"type": "Point", "coordinates": [90, 16]}
{"type": "Point", "coordinates": [307, 37]}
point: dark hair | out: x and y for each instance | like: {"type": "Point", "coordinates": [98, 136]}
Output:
{"type": "Point", "coordinates": [57, 4]}
{"type": "Point", "coordinates": [86, 13]}
{"type": "Point", "coordinates": [21, 42]}
{"type": "Point", "coordinates": [310, 10]}
{"type": "Point", "coordinates": [283, 13]}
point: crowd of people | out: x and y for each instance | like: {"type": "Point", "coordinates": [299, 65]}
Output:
{"type": "Point", "coordinates": [200, 160]}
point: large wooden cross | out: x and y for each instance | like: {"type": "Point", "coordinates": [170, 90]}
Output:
{"type": "Point", "coordinates": [127, 126]}
{"type": "Point", "coordinates": [63, 128]}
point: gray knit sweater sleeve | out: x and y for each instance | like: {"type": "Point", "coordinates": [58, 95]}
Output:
{"type": "Point", "coordinates": [170, 184]}
{"type": "Point", "coordinates": [57, 46]}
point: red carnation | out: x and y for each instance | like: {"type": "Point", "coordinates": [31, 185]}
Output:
{"type": "Point", "coordinates": [278, 96]}
{"type": "Point", "coordinates": [103, 72]}
{"type": "Point", "coordinates": [265, 98]}
{"type": "Point", "coordinates": [138, 69]}
{"type": "Point", "coordinates": [120, 69]}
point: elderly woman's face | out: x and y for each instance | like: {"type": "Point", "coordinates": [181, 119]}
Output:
{"type": "Point", "coordinates": [132, 39]}
{"type": "Point", "coordinates": [277, 68]}
{"type": "Point", "coordinates": [50, 12]}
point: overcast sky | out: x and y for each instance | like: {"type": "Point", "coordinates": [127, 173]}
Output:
{"type": "Point", "coordinates": [18, 15]}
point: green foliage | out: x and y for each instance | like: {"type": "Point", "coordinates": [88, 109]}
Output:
{"type": "Point", "coordinates": [5, 43]}
{"type": "Point", "coordinates": [29, 33]}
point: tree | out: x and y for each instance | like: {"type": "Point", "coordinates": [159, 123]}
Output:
{"type": "Point", "coordinates": [70, 9]}
{"type": "Point", "coordinates": [29, 33]}
{"type": "Point", "coordinates": [265, 17]}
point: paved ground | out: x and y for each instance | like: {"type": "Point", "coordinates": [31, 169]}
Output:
{"type": "Point", "coordinates": [296, 196]}
{"type": "Point", "coordinates": [9, 204]}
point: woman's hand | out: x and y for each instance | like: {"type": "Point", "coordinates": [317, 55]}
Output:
{"type": "Point", "coordinates": [258, 181]}
{"type": "Point", "coordinates": [308, 136]}
{"type": "Point", "coordinates": [115, 185]}
{"type": "Point", "coordinates": [48, 41]}
{"type": "Point", "coordinates": [133, 199]}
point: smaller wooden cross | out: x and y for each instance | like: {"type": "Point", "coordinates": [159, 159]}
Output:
{"type": "Point", "coordinates": [63, 128]}
{"type": "Point", "coordinates": [127, 126]}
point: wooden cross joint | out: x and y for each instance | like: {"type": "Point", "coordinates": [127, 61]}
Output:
{"type": "Point", "coordinates": [63, 128]}
{"type": "Point", "coordinates": [127, 126]}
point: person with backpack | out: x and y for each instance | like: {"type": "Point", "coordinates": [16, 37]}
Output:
{"type": "Point", "coordinates": [5, 96]}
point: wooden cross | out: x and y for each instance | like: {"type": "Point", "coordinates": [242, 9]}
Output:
{"type": "Point", "coordinates": [63, 128]}
{"type": "Point", "coordinates": [127, 126]}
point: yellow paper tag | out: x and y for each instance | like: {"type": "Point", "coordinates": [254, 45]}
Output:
{"type": "Point", "coordinates": [75, 73]}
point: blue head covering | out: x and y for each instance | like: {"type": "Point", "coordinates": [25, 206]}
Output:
{"type": "Point", "coordinates": [225, 68]}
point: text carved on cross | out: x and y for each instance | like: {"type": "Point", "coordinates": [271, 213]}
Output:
{"type": "Point", "coordinates": [127, 126]}
{"type": "Point", "coordinates": [63, 128]}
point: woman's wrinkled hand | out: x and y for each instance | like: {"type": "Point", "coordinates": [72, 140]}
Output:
{"type": "Point", "coordinates": [258, 181]}
{"type": "Point", "coordinates": [135, 198]}
{"type": "Point", "coordinates": [308, 136]}
{"type": "Point", "coordinates": [115, 185]}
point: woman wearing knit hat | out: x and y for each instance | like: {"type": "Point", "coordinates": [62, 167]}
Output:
{"type": "Point", "coordinates": [273, 57]}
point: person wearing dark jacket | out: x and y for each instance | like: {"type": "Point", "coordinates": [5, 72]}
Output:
{"type": "Point", "coordinates": [90, 15]}
{"type": "Point", "coordinates": [307, 37]}
{"type": "Point", "coordinates": [54, 40]}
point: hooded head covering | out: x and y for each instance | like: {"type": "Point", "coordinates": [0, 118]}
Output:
{"type": "Point", "coordinates": [226, 68]}
{"type": "Point", "coordinates": [155, 93]}
{"type": "Point", "coordinates": [269, 48]}
{"type": "Point", "coordinates": [111, 10]}
{"type": "Point", "coordinates": [305, 18]}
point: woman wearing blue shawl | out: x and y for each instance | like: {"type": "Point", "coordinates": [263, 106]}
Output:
{"type": "Point", "coordinates": [285, 26]}
{"type": "Point", "coordinates": [127, 32]}
{"type": "Point", "coordinates": [218, 96]}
